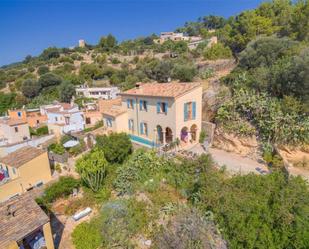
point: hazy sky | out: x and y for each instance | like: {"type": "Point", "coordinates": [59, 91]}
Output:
{"type": "Point", "coordinates": [27, 27]}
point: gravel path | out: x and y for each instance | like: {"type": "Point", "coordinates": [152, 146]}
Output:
{"type": "Point", "coordinates": [235, 163]}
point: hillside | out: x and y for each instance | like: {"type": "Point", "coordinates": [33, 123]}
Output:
{"type": "Point", "coordinates": [266, 95]}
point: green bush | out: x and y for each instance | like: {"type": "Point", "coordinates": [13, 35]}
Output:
{"type": "Point", "coordinates": [203, 136]}
{"type": "Point", "coordinates": [116, 147]}
{"type": "Point", "coordinates": [57, 149]}
{"type": "Point", "coordinates": [117, 222]}
{"type": "Point", "coordinates": [140, 167]}
{"type": "Point", "coordinates": [245, 206]}
{"type": "Point", "coordinates": [87, 236]}
{"type": "Point", "coordinates": [92, 167]}
{"type": "Point", "coordinates": [62, 188]}
{"type": "Point", "coordinates": [43, 70]}
{"type": "Point", "coordinates": [184, 73]}
{"type": "Point", "coordinates": [41, 131]}
{"type": "Point", "coordinates": [217, 51]}
{"type": "Point", "coordinates": [122, 219]}
{"type": "Point", "coordinates": [207, 73]}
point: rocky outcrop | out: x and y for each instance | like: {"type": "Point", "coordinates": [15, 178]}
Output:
{"type": "Point", "coordinates": [245, 146]}
{"type": "Point", "coordinates": [296, 156]}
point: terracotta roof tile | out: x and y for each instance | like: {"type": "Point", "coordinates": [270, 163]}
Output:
{"type": "Point", "coordinates": [21, 156]}
{"type": "Point", "coordinates": [106, 104]}
{"type": "Point", "coordinates": [13, 122]}
{"type": "Point", "coordinates": [172, 90]}
{"type": "Point", "coordinates": [26, 216]}
{"type": "Point", "coordinates": [114, 111]}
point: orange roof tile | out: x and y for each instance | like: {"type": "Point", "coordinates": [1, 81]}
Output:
{"type": "Point", "coordinates": [13, 122]}
{"type": "Point", "coordinates": [171, 90]}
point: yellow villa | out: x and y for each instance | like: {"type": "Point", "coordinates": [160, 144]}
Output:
{"type": "Point", "coordinates": [23, 170]}
{"type": "Point", "coordinates": [155, 114]}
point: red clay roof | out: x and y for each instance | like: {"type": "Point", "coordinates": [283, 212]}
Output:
{"type": "Point", "coordinates": [171, 90]}
{"type": "Point", "coordinates": [13, 122]}
{"type": "Point", "coordinates": [114, 111]}
{"type": "Point", "coordinates": [21, 156]}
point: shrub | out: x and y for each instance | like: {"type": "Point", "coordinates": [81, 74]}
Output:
{"type": "Point", "coordinates": [245, 206]}
{"type": "Point", "coordinates": [58, 168]}
{"type": "Point", "coordinates": [184, 73]}
{"type": "Point", "coordinates": [116, 147]}
{"type": "Point", "coordinates": [141, 166]}
{"type": "Point", "coordinates": [43, 70]}
{"type": "Point", "coordinates": [49, 79]}
{"type": "Point", "coordinates": [92, 169]}
{"type": "Point", "coordinates": [57, 149]}
{"type": "Point", "coordinates": [203, 136]}
{"type": "Point", "coordinates": [120, 220]}
{"type": "Point", "coordinates": [39, 131]}
{"type": "Point", "coordinates": [189, 229]}
{"type": "Point", "coordinates": [115, 60]}
{"type": "Point", "coordinates": [207, 73]}
{"type": "Point", "coordinates": [66, 91]}
{"type": "Point", "coordinates": [62, 188]}
{"type": "Point", "coordinates": [217, 51]}
{"type": "Point", "coordinates": [30, 88]}
{"type": "Point", "coordinates": [87, 236]}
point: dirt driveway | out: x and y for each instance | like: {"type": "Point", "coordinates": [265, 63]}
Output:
{"type": "Point", "coordinates": [235, 163]}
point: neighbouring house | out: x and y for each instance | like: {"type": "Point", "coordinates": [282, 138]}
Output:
{"type": "Point", "coordinates": [33, 117]}
{"type": "Point", "coordinates": [63, 118]}
{"type": "Point", "coordinates": [23, 224]}
{"type": "Point", "coordinates": [23, 170]}
{"type": "Point", "coordinates": [97, 92]}
{"type": "Point", "coordinates": [13, 131]}
{"type": "Point", "coordinates": [92, 114]}
{"type": "Point", "coordinates": [155, 114]}
{"type": "Point", "coordinates": [172, 36]}
{"type": "Point", "coordinates": [193, 41]}
{"type": "Point", "coordinates": [115, 116]}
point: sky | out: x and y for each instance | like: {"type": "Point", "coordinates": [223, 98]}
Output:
{"type": "Point", "coordinates": [29, 26]}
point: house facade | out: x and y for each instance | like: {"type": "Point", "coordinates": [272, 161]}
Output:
{"type": "Point", "coordinates": [156, 114]}
{"type": "Point", "coordinates": [33, 117]}
{"type": "Point", "coordinates": [97, 92]}
{"type": "Point", "coordinates": [63, 118]}
{"type": "Point", "coordinates": [23, 170]}
{"type": "Point", "coordinates": [13, 131]}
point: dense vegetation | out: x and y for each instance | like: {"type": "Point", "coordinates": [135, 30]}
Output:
{"type": "Point", "coordinates": [250, 211]}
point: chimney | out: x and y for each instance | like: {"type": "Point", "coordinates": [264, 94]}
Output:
{"type": "Point", "coordinates": [137, 85]}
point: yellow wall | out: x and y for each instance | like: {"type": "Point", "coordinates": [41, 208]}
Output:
{"type": "Point", "coordinates": [194, 95]}
{"type": "Point", "coordinates": [151, 117]}
{"type": "Point", "coordinates": [28, 175]}
{"type": "Point", "coordinates": [174, 119]}
{"type": "Point", "coordinates": [48, 236]}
